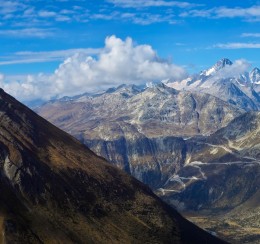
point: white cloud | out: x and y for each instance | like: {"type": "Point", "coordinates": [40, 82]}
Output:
{"type": "Point", "coordinates": [8, 7]}
{"type": "Point", "coordinates": [239, 67]}
{"type": "Point", "coordinates": [27, 87]}
{"type": "Point", "coordinates": [237, 45]}
{"type": "Point", "coordinates": [120, 61]}
{"type": "Point", "coordinates": [29, 13]}
{"type": "Point", "coordinates": [140, 18]}
{"type": "Point", "coordinates": [151, 3]}
{"type": "Point", "coordinates": [137, 18]}
{"type": "Point", "coordinates": [16, 13]}
{"type": "Point", "coordinates": [205, 13]}
{"type": "Point", "coordinates": [250, 35]}
{"type": "Point", "coordinates": [147, 19]}
{"type": "Point", "coordinates": [62, 18]}
{"type": "Point", "coordinates": [249, 14]}
{"type": "Point", "coordinates": [47, 14]}
{"type": "Point", "coordinates": [28, 32]}
{"type": "Point", "coordinates": [47, 56]}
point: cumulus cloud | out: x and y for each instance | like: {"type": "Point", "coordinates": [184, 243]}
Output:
{"type": "Point", "coordinates": [120, 61]}
{"type": "Point", "coordinates": [28, 87]}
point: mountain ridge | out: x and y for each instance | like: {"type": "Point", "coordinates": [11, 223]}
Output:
{"type": "Point", "coordinates": [132, 131]}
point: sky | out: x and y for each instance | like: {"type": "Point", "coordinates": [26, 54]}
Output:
{"type": "Point", "coordinates": [54, 48]}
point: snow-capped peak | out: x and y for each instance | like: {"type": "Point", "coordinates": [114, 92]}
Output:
{"type": "Point", "coordinates": [222, 63]}
{"type": "Point", "coordinates": [218, 66]}
{"type": "Point", "coordinates": [150, 84]}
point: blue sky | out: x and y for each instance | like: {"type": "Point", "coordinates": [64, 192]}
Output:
{"type": "Point", "coordinates": [37, 36]}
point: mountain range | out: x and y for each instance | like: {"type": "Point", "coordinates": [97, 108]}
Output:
{"type": "Point", "coordinates": [241, 90]}
{"type": "Point", "coordinates": [194, 142]}
{"type": "Point", "coordinates": [55, 190]}
{"type": "Point", "coordinates": [126, 127]}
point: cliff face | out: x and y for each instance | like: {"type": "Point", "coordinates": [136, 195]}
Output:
{"type": "Point", "coordinates": [221, 178]}
{"type": "Point", "coordinates": [151, 160]}
{"type": "Point", "coordinates": [222, 170]}
{"type": "Point", "coordinates": [55, 190]}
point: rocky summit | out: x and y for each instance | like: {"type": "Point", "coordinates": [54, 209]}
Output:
{"type": "Point", "coordinates": [55, 190]}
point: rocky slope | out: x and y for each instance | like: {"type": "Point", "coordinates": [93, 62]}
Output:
{"type": "Point", "coordinates": [152, 112]}
{"type": "Point", "coordinates": [138, 129]}
{"type": "Point", "coordinates": [55, 190]}
{"type": "Point", "coordinates": [221, 177]}
{"type": "Point", "coordinates": [232, 154]}
{"type": "Point", "coordinates": [240, 90]}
